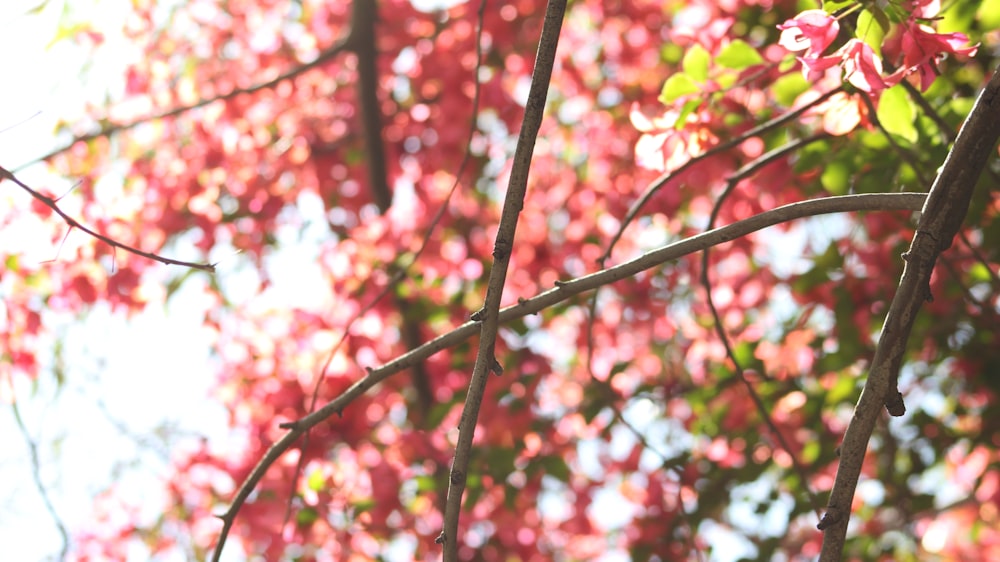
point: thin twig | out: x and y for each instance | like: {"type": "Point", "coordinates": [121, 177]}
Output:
{"type": "Point", "coordinates": [73, 223]}
{"type": "Point", "coordinates": [344, 44]}
{"type": "Point", "coordinates": [563, 291]}
{"type": "Point", "coordinates": [744, 172]}
{"type": "Point", "coordinates": [940, 220]}
{"type": "Point", "coordinates": [36, 477]}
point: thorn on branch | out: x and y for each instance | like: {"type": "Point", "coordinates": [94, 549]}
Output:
{"type": "Point", "coordinates": [496, 368]}
{"type": "Point", "coordinates": [441, 539]}
{"type": "Point", "coordinates": [560, 284]}
{"type": "Point", "coordinates": [292, 425]}
{"type": "Point", "coordinates": [478, 315]}
{"type": "Point", "coordinates": [832, 517]}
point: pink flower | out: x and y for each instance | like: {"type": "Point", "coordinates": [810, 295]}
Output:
{"type": "Point", "coordinates": [925, 9]}
{"type": "Point", "coordinates": [862, 68]}
{"type": "Point", "coordinates": [813, 68]}
{"type": "Point", "coordinates": [664, 146]}
{"type": "Point", "coordinates": [811, 31]}
{"type": "Point", "coordinates": [922, 49]}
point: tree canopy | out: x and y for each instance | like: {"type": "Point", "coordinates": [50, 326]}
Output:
{"type": "Point", "coordinates": [572, 292]}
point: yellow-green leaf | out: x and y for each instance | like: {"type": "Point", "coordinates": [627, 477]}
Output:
{"type": "Point", "coordinates": [695, 63]}
{"type": "Point", "coordinates": [678, 85]}
{"type": "Point", "coordinates": [897, 114]}
{"type": "Point", "coordinates": [738, 55]}
{"type": "Point", "coordinates": [872, 27]}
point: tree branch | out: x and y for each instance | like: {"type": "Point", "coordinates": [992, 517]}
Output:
{"type": "Point", "coordinates": [108, 130]}
{"type": "Point", "coordinates": [363, 17]}
{"type": "Point", "coordinates": [664, 178]}
{"type": "Point", "coordinates": [517, 187]}
{"type": "Point", "coordinates": [941, 217]}
{"type": "Point", "coordinates": [73, 223]}
{"type": "Point", "coordinates": [746, 171]}
{"type": "Point", "coordinates": [36, 477]}
{"type": "Point", "coordinates": [563, 291]}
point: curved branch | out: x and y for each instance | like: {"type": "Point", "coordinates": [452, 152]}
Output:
{"type": "Point", "coordinates": [664, 178]}
{"type": "Point", "coordinates": [564, 290]}
{"type": "Point", "coordinates": [941, 218]}
{"type": "Point", "coordinates": [747, 171]}
{"type": "Point", "coordinates": [73, 223]}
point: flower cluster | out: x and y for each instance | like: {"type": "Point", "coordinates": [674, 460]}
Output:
{"type": "Point", "coordinates": [914, 46]}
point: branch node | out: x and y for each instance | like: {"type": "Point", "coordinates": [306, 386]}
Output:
{"type": "Point", "coordinates": [496, 367]}
{"type": "Point", "coordinates": [894, 404]}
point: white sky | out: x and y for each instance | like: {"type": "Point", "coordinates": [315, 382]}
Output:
{"type": "Point", "coordinates": [117, 371]}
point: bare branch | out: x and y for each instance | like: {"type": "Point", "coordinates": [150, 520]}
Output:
{"type": "Point", "coordinates": [114, 128]}
{"type": "Point", "coordinates": [363, 17]}
{"type": "Point", "coordinates": [746, 171]}
{"type": "Point", "coordinates": [73, 223]}
{"type": "Point", "coordinates": [941, 217]}
{"type": "Point", "coordinates": [517, 187]}
{"type": "Point", "coordinates": [564, 291]}
{"type": "Point", "coordinates": [36, 476]}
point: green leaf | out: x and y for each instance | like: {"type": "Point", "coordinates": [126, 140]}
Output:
{"type": "Point", "coordinates": [979, 273]}
{"type": "Point", "coordinates": [789, 87]}
{"type": "Point", "coordinates": [738, 55]}
{"type": "Point", "coordinates": [843, 390]}
{"type": "Point", "coordinates": [556, 467]}
{"type": "Point", "coordinates": [316, 480]}
{"type": "Point", "coordinates": [872, 27]}
{"type": "Point", "coordinates": [676, 86]}
{"type": "Point", "coordinates": [836, 178]}
{"type": "Point", "coordinates": [832, 6]}
{"type": "Point", "coordinates": [744, 353]}
{"type": "Point", "coordinates": [688, 108]}
{"type": "Point", "coordinates": [671, 53]}
{"type": "Point", "coordinates": [306, 516]}
{"type": "Point", "coordinates": [897, 114]}
{"type": "Point", "coordinates": [989, 14]}
{"type": "Point", "coordinates": [362, 505]}
{"type": "Point", "coordinates": [426, 483]}
{"type": "Point", "coordinates": [695, 63]}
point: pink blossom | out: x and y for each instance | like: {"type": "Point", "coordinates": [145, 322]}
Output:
{"type": "Point", "coordinates": [925, 9]}
{"type": "Point", "coordinates": [862, 68]}
{"type": "Point", "coordinates": [813, 68]}
{"type": "Point", "coordinates": [811, 31]}
{"type": "Point", "coordinates": [922, 48]}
